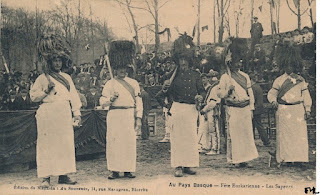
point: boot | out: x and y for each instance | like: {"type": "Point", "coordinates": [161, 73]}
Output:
{"type": "Point", "coordinates": [45, 182]}
{"type": "Point", "coordinates": [114, 175]}
{"type": "Point", "coordinates": [188, 170]}
{"type": "Point", "coordinates": [178, 172]}
{"type": "Point", "coordinates": [129, 175]}
{"type": "Point", "coordinates": [64, 179]}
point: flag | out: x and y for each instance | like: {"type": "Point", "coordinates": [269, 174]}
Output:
{"type": "Point", "coordinates": [204, 28]}
{"type": "Point", "coordinates": [272, 3]}
{"type": "Point", "coordinates": [194, 31]}
{"type": "Point", "coordinates": [169, 34]}
{"type": "Point", "coordinates": [87, 47]}
{"type": "Point", "coordinates": [166, 30]}
{"type": "Point", "coordinates": [177, 29]}
{"type": "Point", "coordinates": [143, 49]}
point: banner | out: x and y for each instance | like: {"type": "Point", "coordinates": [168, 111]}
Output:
{"type": "Point", "coordinates": [204, 28]}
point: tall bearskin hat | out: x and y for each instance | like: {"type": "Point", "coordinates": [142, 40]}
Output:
{"type": "Point", "coordinates": [121, 54]}
{"type": "Point", "coordinates": [53, 46]}
{"type": "Point", "coordinates": [237, 48]}
{"type": "Point", "coordinates": [183, 47]}
{"type": "Point", "coordinates": [288, 55]}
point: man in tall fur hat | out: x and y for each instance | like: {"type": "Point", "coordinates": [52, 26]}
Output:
{"type": "Point", "coordinates": [235, 88]}
{"type": "Point", "coordinates": [290, 96]}
{"type": "Point", "coordinates": [188, 93]}
{"type": "Point", "coordinates": [59, 103]}
{"type": "Point", "coordinates": [122, 95]}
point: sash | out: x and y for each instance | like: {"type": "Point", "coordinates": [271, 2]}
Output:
{"type": "Point", "coordinates": [286, 86]}
{"type": "Point", "coordinates": [240, 79]}
{"type": "Point", "coordinates": [128, 87]}
{"type": "Point", "coordinates": [60, 79]}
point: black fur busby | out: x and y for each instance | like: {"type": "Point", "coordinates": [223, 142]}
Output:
{"type": "Point", "coordinates": [238, 49]}
{"type": "Point", "coordinates": [121, 54]}
{"type": "Point", "coordinates": [53, 46]}
{"type": "Point", "coordinates": [288, 55]}
{"type": "Point", "coordinates": [183, 47]}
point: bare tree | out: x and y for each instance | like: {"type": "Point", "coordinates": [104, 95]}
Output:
{"type": "Point", "coordinates": [271, 16]}
{"type": "Point", "coordinates": [252, 9]}
{"type": "Point", "coordinates": [223, 7]}
{"type": "Point", "coordinates": [214, 21]}
{"type": "Point", "coordinates": [153, 7]}
{"type": "Point", "coordinates": [22, 29]}
{"type": "Point", "coordinates": [227, 25]}
{"type": "Point", "coordinates": [298, 12]}
{"type": "Point", "coordinates": [128, 5]}
{"type": "Point", "coordinates": [238, 13]}
{"type": "Point", "coordinates": [198, 37]}
{"type": "Point", "coordinates": [310, 12]}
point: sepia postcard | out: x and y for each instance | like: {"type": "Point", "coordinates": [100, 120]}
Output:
{"type": "Point", "coordinates": [158, 97]}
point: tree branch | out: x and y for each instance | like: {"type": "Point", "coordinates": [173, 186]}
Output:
{"type": "Point", "coordinates": [291, 8]}
{"type": "Point", "coordinates": [227, 8]}
{"type": "Point", "coordinates": [163, 4]}
{"type": "Point", "coordinates": [305, 11]}
{"type": "Point", "coordinates": [149, 8]}
{"type": "Point", "coordinates": [218, 6]}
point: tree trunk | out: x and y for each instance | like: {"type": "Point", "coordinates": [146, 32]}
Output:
{"type": "Point", "coordinates": [198, 37]}
{"type": "Point", "coordinates": [271, 18]}
{"type": "Point", "coordinates": [92, 34]}
{"type": "Point", "coordinates": [299, 15]}
{"type": "Point", "coordinates": [214, 22]}
{"type": "Point", "coordinates": [135, 27]}
{"type": "Point", "coordinates": [252, 8]}
{"type": "Point", "coordinates": [221, 29]}
{"type": "Point", "coordinates": [311, 15]}
{"type": "Point", "coordinates": [156, 22]}
{"type": "Point", "coordinates": [78, 33]}
{"type": "Point", "coordinates": [278, 17]}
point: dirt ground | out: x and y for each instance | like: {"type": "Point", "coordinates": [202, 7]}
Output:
{"type": "Point", "coordinates": [155, 175]}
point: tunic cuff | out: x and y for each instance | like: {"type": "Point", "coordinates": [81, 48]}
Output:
{"type": "Point", "coordinates": [308, 108]}
{"type": "Point", "coordinates": [76, 113]}
{"type": "Point", "coordinates": [139, 114]}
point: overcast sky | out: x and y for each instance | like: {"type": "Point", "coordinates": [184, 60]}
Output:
{"type": "Point", "coordinates": [177, 13]}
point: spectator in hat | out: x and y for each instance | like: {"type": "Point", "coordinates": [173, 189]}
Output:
{"type": "Point", "coordinates": [146, 101]}
{"type": "Point", "coordinates": [11, 102]}
{"type": "Point", "coordinates": [258, 111]}
{"type": "Point", "coordinates": [94, 81]}
{"type": "Point", "coordinates": [23, 100]}
{"type": "Point", "coordinates": [93, 97]}
{"type": "Point", "coordinates": [258, 59]}
{"type": "Point", "coordinates": [256, 32]}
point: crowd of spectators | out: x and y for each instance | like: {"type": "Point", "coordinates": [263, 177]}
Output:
{"type": "Point", "coordinates": [152, 70]}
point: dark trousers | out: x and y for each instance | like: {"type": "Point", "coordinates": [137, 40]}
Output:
{"type": "Point", "coordinates": [145, 132]}
{"type": "Point", "coordinates": [256, 122]}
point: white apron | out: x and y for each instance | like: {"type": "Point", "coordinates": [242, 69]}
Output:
{"type": "Point", "coordinates": [240, 146]}
{"type": "Point", "coordinates": [121, 140]}
{"type": "Point", "coordinates": [55, 143]}
{"type": "Point", "coordinates": [292, 136]}
{"type": "Point", "coordinates": [184, 140]}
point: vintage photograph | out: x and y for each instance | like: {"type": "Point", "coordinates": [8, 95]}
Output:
{"type": "Point", "coordinates": [158, 97]}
